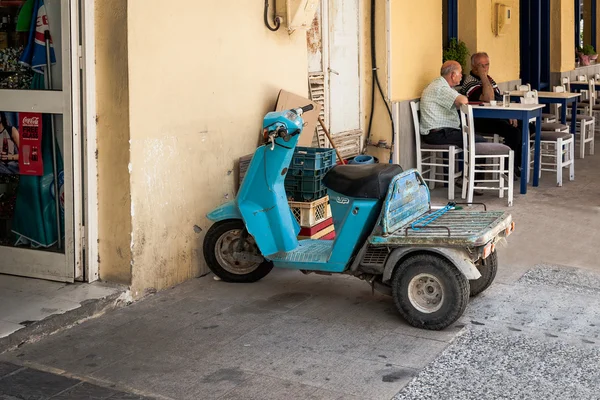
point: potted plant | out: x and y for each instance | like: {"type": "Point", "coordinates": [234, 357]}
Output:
{"type": "Point", "coordinates": [457, 50]}
{"type": "Point", "coordinates": [583, 59]}
{"type": "Point", "coordinates": [589, 51]}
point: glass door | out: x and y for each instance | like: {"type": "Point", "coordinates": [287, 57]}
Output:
{"type": "Point", "coordinates": [37, 220]}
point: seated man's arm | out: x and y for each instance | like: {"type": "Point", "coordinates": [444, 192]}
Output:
{"type": "Point", "coordinates": [460, 100]}
{"type": "Point", "coordinates": [487, 92]}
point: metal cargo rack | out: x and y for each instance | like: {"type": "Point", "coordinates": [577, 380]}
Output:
{"type": "Point", "coordinates": [453, 228]}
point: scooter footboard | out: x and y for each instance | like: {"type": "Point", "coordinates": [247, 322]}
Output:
{"type": "Point", "coordinates": [408, 197]}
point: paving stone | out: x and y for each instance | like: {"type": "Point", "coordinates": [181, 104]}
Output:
{"type": "Point", "coordinates": [31, 384]}
{"type": "Point", "coordinates": [269, 388]}
{"type": "Point", "coordinates": [370, 379]}
{"type": "Point", "coordinates": [324, 394]}
{"type": "Point", "coordinates": [172, 376]}
{"type": "Point", "coordinates": [86, 391]}
{"type": "Point", "coordinates": [403, 350]}
{"type": "Point", "coordinates": [308, 367]}
{"type": "Point", "coordinates": [7, 368]}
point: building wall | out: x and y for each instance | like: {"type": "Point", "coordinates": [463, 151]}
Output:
{"type": "Point", "coordinates": [416, 44]}
{"type": "Point", "coordinates": [562, 35]}
{"type": "Point", "coordinates": [113, 141]}
{"type": "Point", "coordinates": [503, 49]}
{"type": "Point", "coordinates": [197, 97]}
{"type": "Point", "coordinates": [467, 26]}
{"type": "Point", "coordinates": [381, 124]}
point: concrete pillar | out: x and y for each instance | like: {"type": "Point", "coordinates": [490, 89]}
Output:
{"type": "Point", "coordinates": [562, 35]}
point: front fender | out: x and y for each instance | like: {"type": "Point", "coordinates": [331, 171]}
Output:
{"type": "Point", "coordinates": [225, 211]}
{"type": "Point", "coordinates": [460, 258]}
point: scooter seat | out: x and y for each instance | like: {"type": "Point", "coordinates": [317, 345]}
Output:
{"type": "Point", "coordinates": [364, 181]}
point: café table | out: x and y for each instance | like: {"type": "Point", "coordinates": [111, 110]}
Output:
{"type": "Point", "coordinates": [555, 98]}
{"type": "Point", "coordinates": [523, 113]}
{"type": "Point", "coordinates": [577, 86]}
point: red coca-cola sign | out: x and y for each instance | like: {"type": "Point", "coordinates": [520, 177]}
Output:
{"type": "Point", "coordinates": [30, 149]}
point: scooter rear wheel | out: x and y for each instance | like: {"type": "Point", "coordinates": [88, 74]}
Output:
{"type": "Point", "coordinates": [429, 291]}
{"type": "Point", "coordinates": [227, 259]}
{"type": "Point", "coordinates": [488, 269]}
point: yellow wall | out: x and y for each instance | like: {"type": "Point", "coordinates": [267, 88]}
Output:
{"type": "Point", "coordinates": [562, 34]}
{"type": "Point", "coordinates": [416, 46]}
{"type": "Point", "coordinates": [382, 127]}
{"type": "Point", "coordinates": [198, 93]}
{"type": "Point", "coordinates": [503, 49]}
{"type": "Point", "coordinates": [113, 141]}
{"type": "Point", "coordinates": [467, 28]}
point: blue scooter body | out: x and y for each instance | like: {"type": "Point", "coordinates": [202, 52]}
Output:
{"type": "Point", "coordinates": [263, 206]}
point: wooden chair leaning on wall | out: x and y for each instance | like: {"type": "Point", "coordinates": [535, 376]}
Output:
{"type": "Point", "coordinates": [476, 154]}
{"type": "Point", "coordinates": [431, 157]}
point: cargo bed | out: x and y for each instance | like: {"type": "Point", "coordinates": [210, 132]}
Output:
{"type": "Point", "coordinates": [456, 228]}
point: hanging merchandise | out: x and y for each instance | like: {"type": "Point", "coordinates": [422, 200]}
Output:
{"type": "Point", "coordinates": [39, 215]}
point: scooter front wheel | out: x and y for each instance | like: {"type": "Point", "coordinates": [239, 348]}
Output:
{"type": "Point", "coordinates": [232, 254]}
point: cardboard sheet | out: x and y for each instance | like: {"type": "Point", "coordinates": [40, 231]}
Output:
{"type": "Point", "coordinates": [287, 100]}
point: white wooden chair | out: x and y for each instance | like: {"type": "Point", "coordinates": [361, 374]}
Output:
{"type": "Point", "coordinates": [585, 122]}
{"type": "Point", "coordinates": [432, 159]}
{"type": "Point", "coordinates": [546, 126]}
{"type": "Point", "coordinates": [476, 154]}
{"type": "Point", "coordinates": [557, 150]}
{"type": "Point", "coordinates": [546, 117]}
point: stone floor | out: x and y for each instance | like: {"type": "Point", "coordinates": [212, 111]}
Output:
{"type": "Point", "coordinates": [291, 336]}
{"type": "Point", "coordinates": [23, 301]}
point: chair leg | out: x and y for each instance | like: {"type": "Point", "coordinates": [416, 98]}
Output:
{"type": "Point", "coordinates": [511, 156]}
{"type": "Point", "coordinates": [582, 134]}
{"type": "Point", "coordinates": [432, 171]}
{"type": "Point", "coordinates": [501, 176]}
{"type": "Point", "coordinates": [559, 162]}
{"type": "Point", "coordinates": [466, 179]}
{"type": "Point", "coordinates": [471, 182]}
{"type": "Point", "coordinates": [451, 167]}
{"type": "Point", "coordinates": [571, 151]}
{"type": "Point", "coordinates": [592, 138]}
{"type": "Point", "coordinates": [419, 162]}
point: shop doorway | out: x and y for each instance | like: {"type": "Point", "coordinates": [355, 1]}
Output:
{"type": "Point", "coordinates": [41, 151]}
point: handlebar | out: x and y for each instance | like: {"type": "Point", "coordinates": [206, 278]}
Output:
{"type": "Point", "coordinates": [309, 107]}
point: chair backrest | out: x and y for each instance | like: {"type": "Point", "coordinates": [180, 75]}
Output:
{"type": "Point", "coordinates": [566, 82]}
{"type": "Point", "coordinates": [559, 89]}
{"type": "Point", "coordinates": [530, 97]}
{"type": "Point", "coordinates": [414, 108]}
{"type": "Point", "coordinates": [467, 125]}
{"type": "Point", "coordinates": [592, 92]}
{"type": "Point", "coordinates": [524, 88]}
{"type": "Point", "coordinates": [581, 78]}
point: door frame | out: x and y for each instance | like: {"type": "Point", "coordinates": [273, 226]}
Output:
{"type": "Point", "coordinates": [89, 229]}
{"type": "Point", "coordinates": [76, 102]}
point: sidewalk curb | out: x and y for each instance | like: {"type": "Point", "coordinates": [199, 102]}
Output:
{"type": "Point", "coordinates": [59, 322]}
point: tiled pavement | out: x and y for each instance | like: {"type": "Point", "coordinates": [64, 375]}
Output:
{"type": "Point", "coordinates": [18, 383]}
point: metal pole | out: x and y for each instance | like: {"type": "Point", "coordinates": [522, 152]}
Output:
{"type": "Point", "coordinates": [54, 165]}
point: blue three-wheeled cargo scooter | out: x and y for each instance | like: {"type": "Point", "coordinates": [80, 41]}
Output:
{"type": "Point", "coordinates": [386, 232]}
